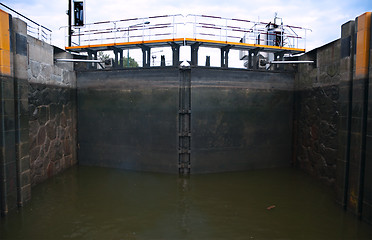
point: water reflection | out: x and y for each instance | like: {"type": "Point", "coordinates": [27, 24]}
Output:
{"type": "Point", "coordinates": [99, 203]}
{"type": "Point", "coordinates": [184, 204]}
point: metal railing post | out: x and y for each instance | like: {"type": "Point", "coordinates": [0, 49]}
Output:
{"type": "Point", "coordinates": [226, 29]}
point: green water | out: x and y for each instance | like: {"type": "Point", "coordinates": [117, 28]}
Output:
{"type": "Point", "coordinates": [99, 203]}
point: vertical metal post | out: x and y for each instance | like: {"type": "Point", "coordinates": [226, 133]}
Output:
{"type": "Point", "coordinates": [143, 29]}
{"type": "Point", "coordinates": [114, 32]}
{"type": "Point", "coordinates": [195, 27]}
{"type": "Point", "coordinates": [226, 30]}
{"type": "Point", "coordinates": [79, 36]}
{"type": "Point", "coordinates": [173, 27]}
{"type": "Point", "coordinates": [194, 53]}
{"type": "Point", "coordinates": [225, 56]}
{"type": "Point", "coordinates": [69, 22]}
{"type": "Point", "coordinates": [175, 54]}
{"type": "Point", "coordinates": [128, 49]}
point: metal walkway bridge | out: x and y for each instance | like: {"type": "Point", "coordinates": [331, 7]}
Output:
{"type": "Point", "coordinates": [195, 31]}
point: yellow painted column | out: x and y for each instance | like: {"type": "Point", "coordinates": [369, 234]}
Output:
{"type": "Point", "coordinates": [5, 63]}
{"type": "Point", "coordinates": [362, 45]}
{"type": "Point", "coordinates": [359, 115]}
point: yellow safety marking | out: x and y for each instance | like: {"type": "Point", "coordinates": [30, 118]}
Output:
{"type": "Point", "coordinates": [244, 44]}
{"type": "Point", "coordinates": [362, 45]}
{"type": "Point", "coordinates": [4, 57]}
{"type": "Point", "coordinates": [125, 43]}
{"type": "Point", "coordinates": [5, 66]}
{"type": "Point", "coordinates": [188, 40]}
{"type": "Point", "coordinates": [4, 31]}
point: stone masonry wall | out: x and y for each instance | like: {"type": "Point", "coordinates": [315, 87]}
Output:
{"type": "Point", "coordinates": [52, 130]}
{"type": "Point", "coordinates": [52, 123]}
{"type": "Point", "coordinates": [317, 113]}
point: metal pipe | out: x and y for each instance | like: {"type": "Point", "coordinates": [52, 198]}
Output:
{"type": "Point", "coordinates": [290, 62]}
{"type": "Point", "coordinates": [78, 60]}
{"type": "Point", "coordinates": [25, 17]}
{"type": "Point", "coordinates": [69, 14]}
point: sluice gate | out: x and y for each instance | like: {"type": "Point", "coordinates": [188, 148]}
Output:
{"type": "Point", "coordinates": [196, 120]}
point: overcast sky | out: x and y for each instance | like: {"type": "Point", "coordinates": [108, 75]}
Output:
{"type": "Point", "coordinates": [324, 17]}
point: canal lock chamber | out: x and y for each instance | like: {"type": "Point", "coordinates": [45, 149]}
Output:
{"type": "Point", "coordinates": [187, 120]}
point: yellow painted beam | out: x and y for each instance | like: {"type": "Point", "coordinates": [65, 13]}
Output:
{"type": "Point", "coordinates": [124, 43]}
{"type": "Point", "coordinates": [5, 65]}
{"type": "Point", "coordinates": [362, 45]}
{"type": "Point", "coordinates": [244, 44]}
{"type": "Point", "coordinates": [187, 40]}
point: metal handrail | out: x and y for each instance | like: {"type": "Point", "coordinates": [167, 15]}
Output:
{"type": "Point", "coordinates": [40, 33]}
{"type": "Point", "coordinates": [180, 26]}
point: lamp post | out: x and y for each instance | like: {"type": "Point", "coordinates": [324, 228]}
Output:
{"type": "Point", "coordinates": [139, 24]}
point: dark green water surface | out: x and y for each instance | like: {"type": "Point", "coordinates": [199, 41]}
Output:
{"type": "Point", "coordinates": [101, 203]}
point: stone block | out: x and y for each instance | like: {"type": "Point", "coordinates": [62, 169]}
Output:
{"type": "Point", "coordinates": [42, 114]}
{"type": "Point", "coordinates": [35, 68]}
{"type": "Point", "coordinates": [33, 128]}
{"type": "Point", "coordinates": [11, 177]}
{"type": "Point", "coordinates": [9, 123]}
{"type": "Point", "coordinates": [23, 149]}
{"type": "Point", "coordinates": [51, 129]}
{"type": "Point", "coordinates": [7, 89]}
{"type": "Point", "coordinates": [40, 51]}
{"type": "Point", "coordinates": [25, 194]}
{"type": "Point", "coordinates": [19, 26]}
{"type": "Point", "coordinates": [20, 67]}
{"type": "Point", "coordinates": [22, 89]}
{"type": "Point", "coordinates": [21, 45]}
{"type": "Point", "coordinates": [347, 29]}
{"type": "Point", "coordinates": [9, 146]}
{"type": "Point", "coordinates": [8, 108]}
{"type": "Point", "coordinates": [356, 125]}
{"type": "Point", "coordinates": [41, 135]}
{"type": "Point", "coordinates": [357, 109]}
{"type": "Point", "coordinates": [55, 109]}
{"type": "Point", "coordinates": [25, 178]}
{"type": "Point", "coordinates": [46, 72]}
{"type": "Point", "coordinates": [34, 153]}
{"type": "Point", "coordinates": [345, 46]}
{"type": "Point", "coordinates": [56, 78]}
{"type": "Point", "coordinates": [23, 108]}
{"type": "Point", "coordinates": [25, 163]}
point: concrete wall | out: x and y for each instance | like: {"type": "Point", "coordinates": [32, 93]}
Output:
{"type": "Point", "coordinates": [160, 119]}
{"type": "Point", "coordinates": [128, 119]}
{"type": "Point", "coordinates": [317, 113]}
{"type": "Point", "coordinates": [37, 113]}
{"type": "Point", "coordinates": [333, 116]}
{"type": "Point", "coordinates": [240, 119]}
{"type": "Point", "coordinates": [15, 187]}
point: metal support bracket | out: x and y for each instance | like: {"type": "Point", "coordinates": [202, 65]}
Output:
{"type": "Point", "coordinates": [194, 53]}
{"type": "Point", "coordinates": [254, 59]}
{"type": "Point", "coordinates": [92, 55]}
{"type": "Point", "coordinates": [146, 55]}
{"type": "Point", "coordinates": [225, 56]}
{"type": "Point", "coordinates": [175, 54]}
{"type": "Point", "coordinates": [118, 61]}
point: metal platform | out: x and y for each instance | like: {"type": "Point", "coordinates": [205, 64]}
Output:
{"type": "Point", "coordinates": [184, 42]}
{"type": "Point", "coordinates": [222, 33]}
